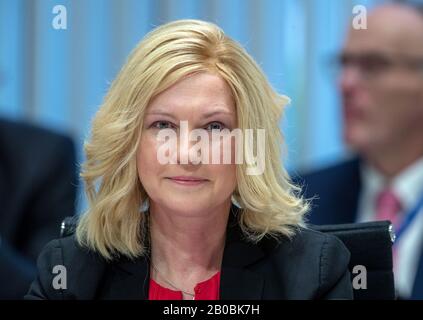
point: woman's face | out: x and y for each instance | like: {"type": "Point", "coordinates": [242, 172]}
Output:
{"type": "Point", "coordinates": [204, 101]}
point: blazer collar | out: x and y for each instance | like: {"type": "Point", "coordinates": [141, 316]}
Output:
{"type": "Point", "coordinates": [237, 280]}
{"type": "Point", "coordinates": [131, 281]}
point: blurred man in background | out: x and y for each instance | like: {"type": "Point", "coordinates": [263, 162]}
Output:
{"type": "Point", "coordinates": [381, 84]}
{"type": "Point", "coordinates": [37, 190]}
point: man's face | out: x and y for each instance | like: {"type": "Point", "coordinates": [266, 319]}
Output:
{"type": "Point", "coordinates": [382, 85]}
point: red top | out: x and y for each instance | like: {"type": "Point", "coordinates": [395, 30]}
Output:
{"type": "Point", "coordinates": [206, 290]}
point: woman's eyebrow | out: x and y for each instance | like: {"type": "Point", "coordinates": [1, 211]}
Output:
{"type": "Point", "coordinates": [159, 112]}
{"type": "Point", "coordinates": [216, 112]}
{"type": "Point", "coordinates": [205, 115]}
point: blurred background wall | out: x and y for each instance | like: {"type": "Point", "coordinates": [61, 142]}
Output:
{"type": "Point", "coordinates": [57, 78]}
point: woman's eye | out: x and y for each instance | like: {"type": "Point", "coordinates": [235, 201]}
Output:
{"type": "Point", "coordinates": [215, 126]}
{"type": "Point", "coordinates": [161, 125]}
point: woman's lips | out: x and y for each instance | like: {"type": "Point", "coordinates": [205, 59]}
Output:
{"type": "Point", "coordinates": [188, 181]}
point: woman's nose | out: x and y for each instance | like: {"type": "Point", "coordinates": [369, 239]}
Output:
{"type": "Point", "coordinates": [185, 146]}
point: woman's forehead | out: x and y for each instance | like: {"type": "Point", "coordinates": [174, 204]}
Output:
{"type": "Point", "coordinates": [205, 110]}
{"type": "Point", "coordinates": [203, 93]}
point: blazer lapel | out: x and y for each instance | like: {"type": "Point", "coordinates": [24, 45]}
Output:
{"type": "Point", "coordinates": [237, 281]}
{"type": "Point", "coordinates": [130, 280]}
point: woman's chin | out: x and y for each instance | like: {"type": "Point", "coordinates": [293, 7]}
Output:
{"type": "Point", "coordinates": [187, 206]}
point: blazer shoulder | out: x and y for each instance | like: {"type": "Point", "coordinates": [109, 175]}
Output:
{"type": "Point", "coordinates": [332, 261]}
{"type": "Point", "coordinates": [314, 265]}
{"type": "Point", "coordinates": [66, 270]}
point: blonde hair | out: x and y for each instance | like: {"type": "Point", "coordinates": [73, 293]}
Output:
{"type": "Point", "coordinates": [113, 224]}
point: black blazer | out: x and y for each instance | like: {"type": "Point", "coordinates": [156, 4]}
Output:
{"type": "Point", "coordinates": [336, 190]}
{"type": "Point", "coordinates": [37, 190]}
{"type": "Point", "coordinates": [311, 265]}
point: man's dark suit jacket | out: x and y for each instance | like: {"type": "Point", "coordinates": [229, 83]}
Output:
{"type": "Point", "coordinates": [37, 190]}
{"type": "Point", "coordinates": [311, 265]}
{"type": "Point", "coordinates": [336, 192]}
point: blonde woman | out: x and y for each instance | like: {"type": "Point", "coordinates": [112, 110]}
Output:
{"type": "Point", "coordinates": [188, 229]}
